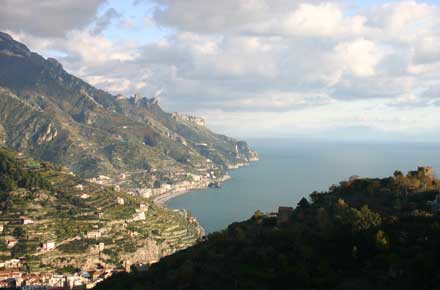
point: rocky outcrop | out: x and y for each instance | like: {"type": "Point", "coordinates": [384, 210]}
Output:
{"type": "Point", "coordinates": [149, 253]}
{"type": "Point", "coordinates": [47, 135]}
{"type": "Point", "coordinates": [43, 107]}
{"type": "Point", "coordinates": [186, 118]}
{"type": "Point", "coordinates": [3, 136]}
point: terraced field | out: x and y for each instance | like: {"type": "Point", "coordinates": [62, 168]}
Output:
{"type": "Point", "coordinates": [80, 224]}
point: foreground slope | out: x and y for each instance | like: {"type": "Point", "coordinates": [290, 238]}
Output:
{"type": "Point", "coordinates": [361, 234]}
{"type": "Point", "coordinates": [57, 117]}
{"type": "Point", "coordinates": [54, 221]}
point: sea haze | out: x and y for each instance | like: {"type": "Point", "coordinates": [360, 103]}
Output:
{"type": "Point", "coordinates": [289, 170]}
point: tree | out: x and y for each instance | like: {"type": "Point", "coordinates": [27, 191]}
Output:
{"type": "Point", "coordinates": [398, 174]}
{"type": "Point", "coordinates": [303, 203]}
{"type": "Point", "coordinates": [365, 219]}
{"type": "Point", "coordinates": [258, 214]}
{"type": "Point", "coordinates": [18, 232]}
{"type": "Point", "coordinates": [382, 240]}
{"type": "Point", "coordinates": [157, 184]}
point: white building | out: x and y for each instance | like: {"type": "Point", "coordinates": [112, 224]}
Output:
{"type": "Point", "coordinates": [93, 235]}
{"type": "Point", "coordinates": [145, 192]}
{"type": "Point", "coordinates": [11, 242]}
{"type": "Point", "coordinates": [58, 281]}
{"type": "Point", "coordinates": [25, 220]}
{"type": "Point", "coordinates": [143, 207]}
{"type": "Point", "coordinates": [12, 263]}
{"type": "Point", "coordinates": [139, 216]}
{"type": "Point", "coordinates": [48, 246]}
{"type": "Point", "coordinates": [120, 201]}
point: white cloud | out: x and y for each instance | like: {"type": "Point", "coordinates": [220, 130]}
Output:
{"type": "Point", "coordinates": [46, 18]}
{"type": "Point", "coordinates": [300, 64]}
{"type": "Point", "coordinates": [359, 56]}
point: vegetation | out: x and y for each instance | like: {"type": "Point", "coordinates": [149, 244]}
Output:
{"type": "Point", "coordinates": [79, 219]}
{"type": "Point", "coordinates": [13, 174]}
{"type": "Point", "coordinates": [54, 116]}
{"type": "Point", "coordinates": [361, 234]}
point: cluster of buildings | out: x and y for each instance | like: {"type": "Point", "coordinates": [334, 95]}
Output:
{"type": "Point", "coordinates": [50, 281]}
{"type": "Point", "coordinates": [139, 215]}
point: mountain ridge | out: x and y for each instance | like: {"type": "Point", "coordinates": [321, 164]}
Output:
{"type": "Point", "coordinates": [95, 133]}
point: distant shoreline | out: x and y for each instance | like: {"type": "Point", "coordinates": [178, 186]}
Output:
{"type": "Point", "coordinates": [163, 198]}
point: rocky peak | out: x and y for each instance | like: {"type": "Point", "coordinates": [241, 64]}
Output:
{"type": "Point", "coordinates": [10, 47]}
{"type": "Point", "coordinates": [191, 119]}
{"type": "Point", "coordinates": [143, 102]}
{"type": "Point", "coordinates": [55, 62]}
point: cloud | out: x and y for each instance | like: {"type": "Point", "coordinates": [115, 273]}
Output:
{"type": "Point", "coordinates": [104, 20]}
{"type": "Point", "coordinates": [46, 18]}
{"type": "Point", "coordinates": [360, 56]}
{"type": "Point", "coordinates": [298, 63]}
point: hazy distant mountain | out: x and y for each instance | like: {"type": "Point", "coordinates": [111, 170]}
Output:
{"type": "Point", "coordinates": [55, 116]}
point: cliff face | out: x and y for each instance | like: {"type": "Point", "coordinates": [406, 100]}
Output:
{"type": "Point", "coordinates": [54, 116]}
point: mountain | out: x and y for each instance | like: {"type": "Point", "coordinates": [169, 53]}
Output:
{"type": "Point", "coordinates": [380, 233]}
{"type": "Point", "coordinates": [57, 117]}
{"type": "Point", "coordinates": [52, 221]}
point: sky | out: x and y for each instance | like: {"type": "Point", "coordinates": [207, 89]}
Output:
{"type": "Point", "coordinates": [334, 69]}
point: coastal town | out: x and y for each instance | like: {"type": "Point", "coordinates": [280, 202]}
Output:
{"type": "Point", "coordinates": [17, 278]}
{"type": "Point", "coordinates": [122, 228]}
{"type": "Point", "coordinates": [85, 176]}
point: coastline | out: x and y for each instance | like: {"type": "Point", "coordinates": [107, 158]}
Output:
{"type": "Point", "coordinates": [163, 198]}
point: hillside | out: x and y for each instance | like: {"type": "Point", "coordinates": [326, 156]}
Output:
{"type": "Point", "coordinates": [361, 234]}
{"type": "Point", "coordinates": [54, 221]}
{"type": "Point", "coordinates": [54, 116]}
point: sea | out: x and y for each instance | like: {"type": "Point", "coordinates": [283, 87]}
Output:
{"type": "Point", "coordinates": [289, 170]}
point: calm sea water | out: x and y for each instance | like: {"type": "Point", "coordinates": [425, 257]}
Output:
{"type": "Point", "coordinates": [290, 170]}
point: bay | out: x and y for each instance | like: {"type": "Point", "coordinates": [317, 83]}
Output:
{"type": "Point", "coordinates": [289, 170]}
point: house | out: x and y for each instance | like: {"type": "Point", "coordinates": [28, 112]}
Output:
{"type": "Point", "coordinates": [139, 216]}
{"type": "Point", "coordinates": [143, 207]}
{"type": "Point", "coordinates": [25, 220]}
{"type": "Point", "coordinates": [12, 263]}
{"type": "Point", "coordinates": [48, 246]}
{"type": "Point", "coordinates": [145, 192]}
{"type": "Point", "coordinates": [117, 188]}
{"type": "Point", "coordinates": [11, 242]}
{"type": "Point", "coordinates": [93, 235]}
{"type": "Point", "coordinates": [58, 281]}
{"type": "Point", "coordinates": [120, 200]}
{"type": "Point", "coordinates": [2, 227]}
{"type": "Point", "coordinates": [84, 196]}
{"type": "Point", "coordinates": [427, 171]}
{"type": "Point", "coordinates": [79, 187]}
{"type": "Point", "coordinates": [8, 283]}
{"type": "Point", "coordinates": [97, 274]}
{"type": "Point", "coordinates": [284, 214]}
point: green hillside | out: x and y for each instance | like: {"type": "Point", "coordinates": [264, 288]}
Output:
{"type": "Point", "coordinates": [361, 234]}
{"type": "Point", "coordinates": [54, 116]}
{"type": "Point", "coordinates": [86, 224]}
